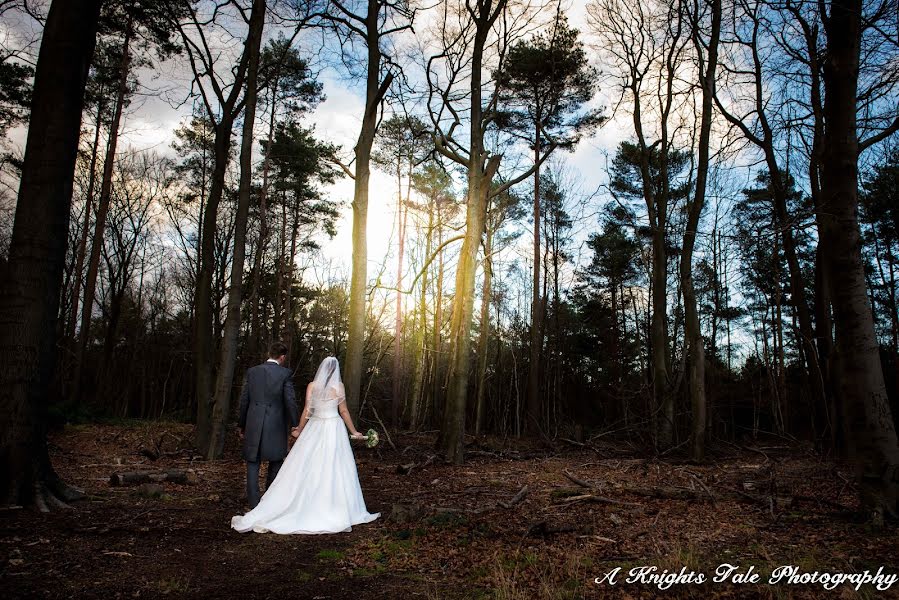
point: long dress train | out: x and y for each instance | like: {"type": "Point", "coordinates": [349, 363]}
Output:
{"type": "Point", "coordinates": [317, 489]}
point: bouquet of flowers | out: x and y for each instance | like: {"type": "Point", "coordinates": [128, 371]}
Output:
{"type": "Point", "coordinates": [371, 438]}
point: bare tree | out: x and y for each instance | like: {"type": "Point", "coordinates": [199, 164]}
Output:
{"type": "Point", "coordinates": [404, 144]}
{"type": "Point", "coordinates": [707, 57]}
{"type": "Point", "coordinates": [758, 129]}
{"type": "Point", "coordinates": [137, 22]}
{"type": "Point", "coordinates": [370, 22]}
{"type": "Point", "coordinates": [644, 46]}
{"type": "Point", "coordinates": [223, 101]}
{"type": "Point", "coordinates": [225, 376]}
{"type": "Point", "coordinates": [471, 35]}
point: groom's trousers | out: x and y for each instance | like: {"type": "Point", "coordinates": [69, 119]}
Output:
{"type": "Point", "coordinates": [253, 494]}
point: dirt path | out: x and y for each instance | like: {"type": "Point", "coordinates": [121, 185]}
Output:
{"type": "Point", "coordinates": [445, 531]}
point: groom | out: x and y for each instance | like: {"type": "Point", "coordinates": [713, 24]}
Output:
{"type": "Point", "coordinates": [268, 410]}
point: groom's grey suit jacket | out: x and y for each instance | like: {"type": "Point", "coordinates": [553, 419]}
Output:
{"type": "Point", "coordinates": [268, 408]}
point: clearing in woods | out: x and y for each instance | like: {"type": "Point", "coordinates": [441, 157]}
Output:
{"type": "Point", "coordinates": [517, 520]}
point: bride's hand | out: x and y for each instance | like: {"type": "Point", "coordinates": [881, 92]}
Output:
{"type": "Point", "coordinates": [358, 436]}
{"type": "Point", "coordinates": [295, 432]}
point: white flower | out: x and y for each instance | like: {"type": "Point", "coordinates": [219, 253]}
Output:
{"type": "Point", "coordinates": [371, 438]}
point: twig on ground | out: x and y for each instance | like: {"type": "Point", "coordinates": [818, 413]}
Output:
{"type": "Point", "coordinates": [516, 498]}
{"type": "Point", "coordinates": [597, 499]}
{"type": "Point", "coordinates": [574, 479]}
{"type": "Point", "coordinates": [700, 482]}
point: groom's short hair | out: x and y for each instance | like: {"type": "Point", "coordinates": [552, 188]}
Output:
{"type": "Point", "coordinates": [277, 349]}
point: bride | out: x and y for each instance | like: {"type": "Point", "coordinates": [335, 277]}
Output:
{"type": "Point", "coordinates": [317, 489]}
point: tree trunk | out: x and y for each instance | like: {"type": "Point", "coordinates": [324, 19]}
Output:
{"type": "Point", "coordinates": [481, 169]}
{"type": "Point", "coordinates": [657, 210]}
{"type": "Point", "coordinates": [225, 378]}
{"type": "Point", "coordinates": [452, 433]}
{"type": "Point", "coordinates": [826, 419]}
{"type": "Point", "coordinates": [692, 329]}
{"type": "Point", "coordinates": [664, 402]}
{"type": "Point", "coordinates": [93, 266]}
{"type": "Point", "coordinates": [398, 324]}
{"type": "Point", "coordinates": [374, 93]}
{"type": "Point", "coordinates": [85, 227]}
{"type": "Point", "coordinates": [484, 336]}
{"type": "Point", "coordinates": [30, 286]}
{"type": "Point", "coordinates": [289, 323]}
{"type": "Point", "coordinates": [279, 279]}
{"type": "Point", "coordinates": [534, 403]}
{"type": "Point", "coordinates": [870, 429]}
{"type": "Point", "coordinates": [255, 322]}
{"type": "Point", "coordinates": [437, 340]}
{"type": "Point", "coordinates": [797, 285]}
{"type": "Point", "coordinates": [204, 335]}
{"type": "Point", "coordinates": [418, 376]}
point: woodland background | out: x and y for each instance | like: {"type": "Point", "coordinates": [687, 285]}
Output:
{"type": "Point", "coordinates": [733, 274]}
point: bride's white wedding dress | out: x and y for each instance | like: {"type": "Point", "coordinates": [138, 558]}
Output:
{"type": "Point", "coordinates": [317, 489]}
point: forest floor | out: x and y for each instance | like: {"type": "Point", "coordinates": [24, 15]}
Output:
{"type": "Point", "coordinates": [447, 531]}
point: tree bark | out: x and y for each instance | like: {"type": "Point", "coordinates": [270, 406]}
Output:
{"type": "Point", "coordinates": [870, 429]}
{"type": "Point", "coordinates": [279, 278]}
{"type": "Point", "coordinates": [228, 357]}
{"type": "Point", "coordinates": [289, 323]}
{"type": "Point", "coordinates": [453, 429]}
{"type": "Point", "coordinates": [436, 334]}
{"type": "Point", "coordinates": [481, 169]}
{"type": "Point", "coordinates": [418, 377]}
{"type": "Point", "coordinates": [692, 330]}
{"type": "Point", "coordinates": [255, 321]}
{"type": "Point", "coordinates": [826, 414]}
{"type": "Point", "coordinates": [30, 286]}
{"type": "Point", "coordinates": [534, 403]}
{"type": "Point", "coordinates": [375, 89]}
{"type": "Point", "coordinates": [85, 227]}
{"type": "Point", "coordinates": [484, 335]}
{"type": "Point", "coordinates": [398, 324]}
{"type": "Point", "coordinates": [204, 336]}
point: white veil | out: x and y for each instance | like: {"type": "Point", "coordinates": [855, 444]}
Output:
{"type": "Point", "coordinates": [327, 387]}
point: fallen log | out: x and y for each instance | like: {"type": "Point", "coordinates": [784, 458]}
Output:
{"type": "Point", "coordinates": [139, 477]}
{"type": "Point", "coordinates": [574, 479]}
{"type": "Point", "coordinates": [516, 498]}
{"type": "Point", "coordinates": [597, 499]}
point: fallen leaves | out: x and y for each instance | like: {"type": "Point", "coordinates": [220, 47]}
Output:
{"type": "Point", "coordinates": [517, 520]}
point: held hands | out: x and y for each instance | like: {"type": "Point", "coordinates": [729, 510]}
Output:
{"type": "Point", "coordinates": [295, 432]}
